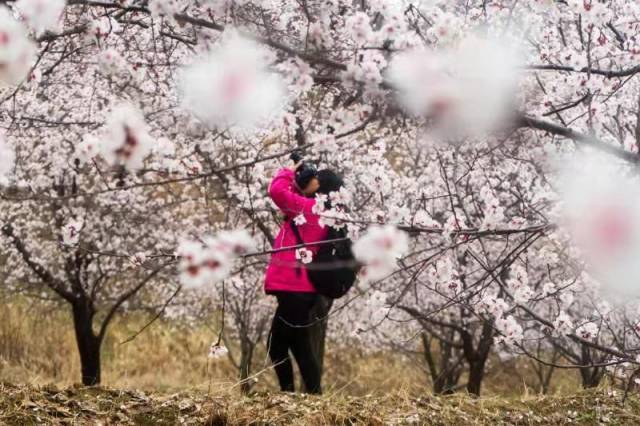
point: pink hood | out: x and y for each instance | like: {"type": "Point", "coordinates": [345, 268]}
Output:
{"type": "Point", "coordinates": [281, 273]}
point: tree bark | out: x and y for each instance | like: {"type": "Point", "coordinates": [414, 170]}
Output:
{"type": "Point", "coordinates": [477, 358]}
{"type": "Point", "coordinates": [88, 343]}
{"type": "Point", "coordinates": [591, 376]}
{"type": "Point", "coordinates": [246, 357]}
{"type": "Point", "coordinates": [476, 374]}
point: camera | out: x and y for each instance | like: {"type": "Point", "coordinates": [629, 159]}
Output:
{"type": "Point", "coordinates": [305, 172]}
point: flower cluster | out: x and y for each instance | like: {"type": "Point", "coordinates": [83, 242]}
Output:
{"type": "Point", "coordinates": [588, 331]}
{"type": "Point", "coordinates": [126, 140]}
{"type": "Point", "coordinates": [71, 233]}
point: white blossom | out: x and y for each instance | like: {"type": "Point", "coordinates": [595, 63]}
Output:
{"type": "Point", "coordinates": [71, 232]}
{"type": "Point", "coordinates": [126, 140]}
{"type": "Point", "coordinates": [217, 351]}
{"type": "Point", "coordinates": [588, 331]}
{"type": "Point", "coordinates": [563, 324]}
{"type": "Point", "coordinates": [300, 220]}
{"type": "Point", "coordinates": [304, 255]}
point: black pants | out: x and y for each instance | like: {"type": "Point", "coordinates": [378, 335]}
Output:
{"type": "Point", "coordinates": [291, 330]}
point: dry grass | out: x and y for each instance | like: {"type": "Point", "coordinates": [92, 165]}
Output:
{"type": "Point", "coordinates": [37, 347]}
{"type": "Point", "coordinates": [23, 405]}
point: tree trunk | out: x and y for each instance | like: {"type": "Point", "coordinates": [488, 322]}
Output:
{"type": "Point", "coordinates": [476, 374]}
{"type": "Point", "coordinates": [591, 376]}
{"type": "Point", "coordinates": [246, 356]}
{"type": "Point", "coordinates": [88, 344]}
{"type": "Point", "coordinates": [319, 315]}
{"type": "Point", "coordinates": [478, 358]}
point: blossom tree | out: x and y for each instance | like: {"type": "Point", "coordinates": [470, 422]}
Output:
{"type": "Point", "coordinates": [137, 131]}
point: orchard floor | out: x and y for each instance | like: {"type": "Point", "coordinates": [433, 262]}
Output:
{"type": "Point", "coordinates": [28, 405]}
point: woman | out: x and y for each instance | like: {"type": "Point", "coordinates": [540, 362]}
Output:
{"type": "Point", "coordinates": [287, 279]}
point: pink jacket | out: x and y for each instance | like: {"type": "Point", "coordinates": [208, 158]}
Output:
{"type": "Point", "coordinates": [281, 273]}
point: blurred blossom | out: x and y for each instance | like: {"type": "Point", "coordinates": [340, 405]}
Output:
{"type": "Point", "coordinates": [211, 260]}
{"type": "Point", "coordinates": [235, 243]}
{"type": "Point", "coordinates": [111, 62]}
{"type": "Point", "coordinates": [7, 158]}
{"type": "Point", "coordinates": [164, 9]}
{"type": "Point", "coordinates": [378, 249]}
{"type": "Point", "coordinates": [42, 15]}
{"type": "Point", "coordinates": [464, 91]}
{"type": "Point", "coordinates": [16, 50]}
{"type": "Point", "coordinates": [602, 212]}
{"type": "Point", "coordinates": [126, 140]}
{"type": "Point", "coordinates": [232, 86]}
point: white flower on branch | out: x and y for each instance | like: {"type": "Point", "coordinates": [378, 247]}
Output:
{"type": "Point", "coordinates": [379, 248]}
{"type": "Point", "coordinates": [127, 140]}
{"type": "Point", "coordinates": [423, 219]}
{"type": "Point", "coordinates": [138, 259]}
{"type": "Point", "coordinates": [304, 255]}
{"type": "Point", "coordinates": [511, 331]}
{"type": "Point", "coordinates": [232, 86]}
{"type": "Point", "coordinates": [42, 15]}
{"type": "Point", "coordinates": [71, 233]}
{"type": "Point", "coordinates": [217, 351]}
{"type": "Point", "coordinates": [16, 50]}
{"type": "Point", "coordinates": [99, 29]}
{"type": "Point", "coordinates": [563, 324]}
{"type": "Point", "coordinates": [299, 220]}
{"type": "Point", "coordinates": [588, 331]}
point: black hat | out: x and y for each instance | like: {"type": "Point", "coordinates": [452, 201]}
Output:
{"type": "Point", "coordinates": [304, 174]}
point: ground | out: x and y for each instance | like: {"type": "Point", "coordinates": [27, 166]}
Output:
{"type": "Point", "coordinates": [27, 405]}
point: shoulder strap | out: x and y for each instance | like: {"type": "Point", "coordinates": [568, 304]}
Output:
{"type": "Point", "coordinates": [296, 231]}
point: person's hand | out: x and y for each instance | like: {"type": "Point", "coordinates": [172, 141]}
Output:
{"type": "Point", "coordinates": [295, 166]}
